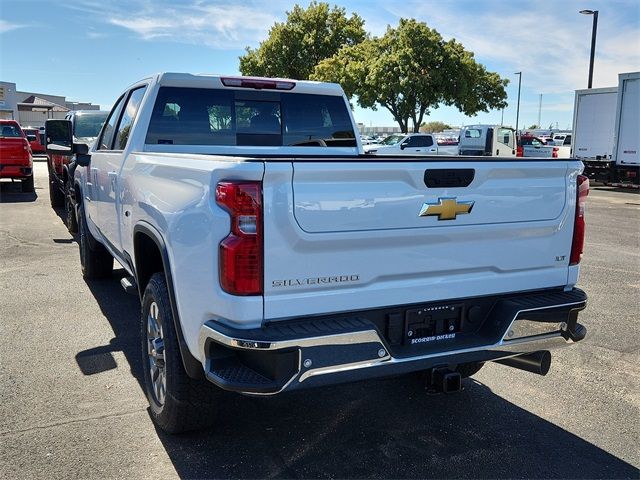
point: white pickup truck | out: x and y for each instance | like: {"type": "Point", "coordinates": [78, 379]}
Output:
{"type": "Point", "coordinates": [409, 144]}
{"type": "Point", "coordinates": [537, 149]}
{"type": "Point", "coordinates": [270, 254]}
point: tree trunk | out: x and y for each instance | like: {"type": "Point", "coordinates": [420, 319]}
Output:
{"type": "Point", "coordinates": [403, 123]}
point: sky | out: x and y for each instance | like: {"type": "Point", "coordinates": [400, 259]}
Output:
{"type": "Point", "coordinates": [91, 50]}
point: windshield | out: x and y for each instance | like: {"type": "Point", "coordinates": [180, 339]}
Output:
{"type": "Point", "coordinates": [392, 140]}
{"type": "Point", "coordinates": [89, 125]}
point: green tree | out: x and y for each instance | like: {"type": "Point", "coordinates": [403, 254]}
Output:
{"type": "Point", "coordinates": [308, 36]}
{"type": "Point", "coordinates": [434, 127]}
{"type": "Point", "coordinates": [533, 127]}
{"type": "Point", "coordinates": [410, 70]}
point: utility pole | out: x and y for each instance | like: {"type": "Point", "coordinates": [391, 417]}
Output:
{"type": "Point", "coordinates": [594, 31]}
{"type": "Point", "coordinates": [518, 107]}
{"type": "Point", "coordinates": [539, 111]}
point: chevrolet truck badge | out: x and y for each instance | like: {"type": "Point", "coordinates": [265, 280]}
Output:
{"type": "Point", "coordinates": [445, 209]}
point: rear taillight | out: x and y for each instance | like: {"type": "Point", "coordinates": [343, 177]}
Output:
{"type": "Point", "coordinates": [520, 151]}
{"type": "Point", "coordinates": [577, 244]}
{"type": "Point", "coordinates": [555, 153]}
{"type": "Point", "coordinates": [241, 252]}
{"type": "Point", "coordinates": [26, 149]}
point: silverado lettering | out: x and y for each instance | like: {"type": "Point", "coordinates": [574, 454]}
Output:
{"type": "Point", "coordinates": [315, 280]}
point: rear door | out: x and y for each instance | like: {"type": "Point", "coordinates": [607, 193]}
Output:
{"type": "Point", "coordinates": [107, 161]}
{"type": "Point", "coordinates": [505, 144]}
{"type": "Point", "coordinates": [349, 235]}
{"type": "Point", "coordinates": [627, 145]}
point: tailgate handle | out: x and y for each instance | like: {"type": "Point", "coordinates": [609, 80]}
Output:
{"type": "Point", "coordinates": [448, 177]}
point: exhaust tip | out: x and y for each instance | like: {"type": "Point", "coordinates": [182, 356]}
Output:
{"type": "Point", "coordinates": [536, 362]}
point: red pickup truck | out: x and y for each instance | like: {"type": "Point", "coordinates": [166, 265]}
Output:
{"type": "Point", "coordinates": [85, 126]}
{"type": "Point", "coordinates": [16, 162]}
{"type": "Point", "coordinates": [36, 144]}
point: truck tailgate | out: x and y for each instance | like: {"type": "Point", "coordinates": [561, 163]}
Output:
{"type": "Point", "coordinates": [349, 235]}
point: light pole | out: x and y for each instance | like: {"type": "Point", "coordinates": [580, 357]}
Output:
{"type": "Point", "coordinates": [518, 107]}
{"type": "Point", "coordinates": [593, 41]}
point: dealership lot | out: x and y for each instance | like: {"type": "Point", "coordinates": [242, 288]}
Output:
{"type": "Point", "coordinates": [71, 404]}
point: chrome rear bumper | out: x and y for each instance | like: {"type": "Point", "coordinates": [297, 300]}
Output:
{"type": "Point", "coordinates": [267, 362]}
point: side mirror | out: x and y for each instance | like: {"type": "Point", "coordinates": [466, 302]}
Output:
{"type": "Point", "coordinates": [31, 138]}
{"type": "Point", "coordinates": [83, 159]}
{"type": "Point", "coordinates": [403, 145]}
{"type": "Point", "coordinates": [56, 149]}
{"type": "Point", "coordinates": [58, 136]}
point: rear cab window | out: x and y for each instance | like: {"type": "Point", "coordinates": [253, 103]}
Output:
{"type": "Point", "coordinates": [201, 116]}
{"type": "Point", "coordinates": [10, 130]}
{"type": "Point", "coordinates": [473, 133]}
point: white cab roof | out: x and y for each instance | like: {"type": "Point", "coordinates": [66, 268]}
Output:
{"type": "Point", "coordinates": [170, 79]}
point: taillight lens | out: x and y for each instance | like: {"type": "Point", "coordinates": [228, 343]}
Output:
{"type": "Point", "coordinates": [577, 244]}
{"type": "Point", "coordinates": [241, 252]}
{"type": "Point", "coordinates": [555, 155]}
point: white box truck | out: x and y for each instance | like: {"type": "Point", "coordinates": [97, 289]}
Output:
{"type": "Point", "coordinates": [626, 160]}
{"type": "Point", "coordinates": [606, 131]}
{"type": "Point", "coordinates": [594, 117]}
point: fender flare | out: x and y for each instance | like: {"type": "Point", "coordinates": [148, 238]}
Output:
{"type": "Point", "coordinates": [191, 365]}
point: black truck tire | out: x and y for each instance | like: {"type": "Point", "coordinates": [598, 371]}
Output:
{"type": "Point", "coordinates": [28, 185]}
{"type": "Point", "coordinates": [177, 403]}
{"type": "Point", "coordinates": [96, 260]}
{"type": "Point", "coordinates": [70, 209]}
{"type": "Point", "coordinates": [55, 194]}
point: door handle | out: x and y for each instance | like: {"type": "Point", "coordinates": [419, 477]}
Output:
{"type": "Point", "coordinates": [112, 179]}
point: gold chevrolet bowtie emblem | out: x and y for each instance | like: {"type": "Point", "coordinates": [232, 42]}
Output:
{"type": "Point", "coordinates": [445, 209]}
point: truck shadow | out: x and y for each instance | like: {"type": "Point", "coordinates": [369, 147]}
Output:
{"type": "Point", "coordinates": [11, 192]}
{"type": "Point", "coordinates": [387, 428]}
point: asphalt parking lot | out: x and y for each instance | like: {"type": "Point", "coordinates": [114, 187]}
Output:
{"type": "Point", "coordinates": [72, 405]}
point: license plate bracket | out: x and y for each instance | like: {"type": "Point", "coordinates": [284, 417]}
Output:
{"type": "Point", "coordinates": [428, 324]}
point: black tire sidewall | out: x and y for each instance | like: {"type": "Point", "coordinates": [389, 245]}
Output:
{"type": "Point", "coordinates": [71, 219]}
{"type": "Point", "coordinates": [82, 240]}
{"type": "Point", "coordinates": [156, 291]}
{"type": "Point", "coordinates": [28, 185]}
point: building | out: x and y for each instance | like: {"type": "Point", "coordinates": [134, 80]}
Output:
{"type": "Point", "coordinates": [33, 109]}
{"type": "Point", "coordinates": [377, 131]}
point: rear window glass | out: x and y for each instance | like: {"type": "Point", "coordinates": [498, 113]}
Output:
{"type": "Point", "coordinates": [10, 130]}
{"type": "Point", "coordinates": [472, 133]}
{"type": "Point", "coordinates": [195, 116]}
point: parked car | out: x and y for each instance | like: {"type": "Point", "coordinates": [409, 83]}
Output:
{"type": "Point", "coordinates": [405, 144]}
{"type": "Point", "coordinates": [36, 145]}
{"type": "Point", "coordinates": [85, 126]}
{"type": "Point", "coordinates": [271, 255]}
{"type": "Point", "coordinates": [16, 162]}
{"type": "Point", "coordinates": [562, 139]}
